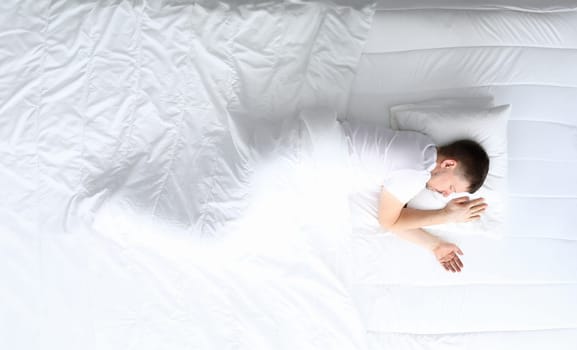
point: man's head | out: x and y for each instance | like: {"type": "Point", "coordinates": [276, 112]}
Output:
{"type": "Point", "coordinates": [462, 166]}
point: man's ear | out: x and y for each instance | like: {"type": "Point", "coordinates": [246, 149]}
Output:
{"type": "Point", "coordinates": [448, 163]}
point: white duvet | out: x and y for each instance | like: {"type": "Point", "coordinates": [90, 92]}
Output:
{"type": "Point", "coordinates": [138, 210]}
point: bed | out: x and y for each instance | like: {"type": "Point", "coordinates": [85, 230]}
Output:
{"type": "Point", "coordinates": [149, 192]}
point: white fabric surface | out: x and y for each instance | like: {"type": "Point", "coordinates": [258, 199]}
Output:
{"type": "Point", "coordinates": [120, 104]}
{"type": "Point", "coordinates": [517, 292]}
{"type": "Point", "coordinates": [518, 5]}
{"type": "Point", "coordinates": [126, 135]}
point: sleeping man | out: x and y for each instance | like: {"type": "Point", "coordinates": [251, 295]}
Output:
{"type": "Point", "coordinates": [413, 162]}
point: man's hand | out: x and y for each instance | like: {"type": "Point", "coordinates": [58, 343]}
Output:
{"type": "Point", "coordinates": [446, 254]}
{"type": "Point", "coordinates": [464, 210]}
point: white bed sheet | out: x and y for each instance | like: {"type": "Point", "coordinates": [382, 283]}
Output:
{"type": "Point", "coordinates": [518, 292]}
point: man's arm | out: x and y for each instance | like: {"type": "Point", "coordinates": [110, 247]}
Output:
{"type": "Point", "coordinates": [406, 223]}
{"type": "Point", "coordinates": [447, 253]}
{"type": "Point", "coordinates": [394, 217]}
{"type": "Point", "coordinates": [420, 237]}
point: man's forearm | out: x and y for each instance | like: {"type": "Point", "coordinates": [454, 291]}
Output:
{"type": "Point", "coordinates": [420, 237]}
{"type": "Point", "coordinates": [410, 218]}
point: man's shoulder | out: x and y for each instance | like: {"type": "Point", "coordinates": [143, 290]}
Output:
{"type": "Point", "coordinates": [413, 150]}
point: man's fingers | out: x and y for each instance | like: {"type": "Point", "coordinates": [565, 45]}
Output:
{"type": "Point", "coordinates": [476, 202]}
{"type": "Point", "coordinates": [479, 207]}
{"type": "Point", "coordinates": [459, 251]}
{"type": "Point", "coordinates": [474, 217]}
{"type": "Point", "coordinates": [458, 262]}
{"type": "Point", "coordinates": [447, 258]}
{"type": "Point", "coordinates": [455, 266]}
{"type": "Point", "coordinates": [461, 199]}
{"type": "Point", "coordinates": [477, 212]}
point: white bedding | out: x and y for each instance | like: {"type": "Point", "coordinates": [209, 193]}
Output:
{"type": "Point", "coordinates": [518, 292]}
{"type": "Point", "coordinates": [126, 220]}
{"type": "Point", "coordinates": [131, 143]}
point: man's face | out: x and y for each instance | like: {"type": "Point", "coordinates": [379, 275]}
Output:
{"type": "Point", "coordinates": [446, 180]}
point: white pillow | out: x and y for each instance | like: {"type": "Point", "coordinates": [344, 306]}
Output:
{"type": "Point", "coordinates": [450, 120]}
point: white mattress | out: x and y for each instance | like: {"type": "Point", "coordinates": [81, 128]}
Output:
{"type": "Point", "coordinates": [125, 219]}
{"type": "Point", "coordinates": [519, 292]}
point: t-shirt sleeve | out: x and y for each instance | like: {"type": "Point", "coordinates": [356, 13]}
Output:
{"type": "Point", "coordinates": [412, 156]}
{"type": "Point", "coordinates": [405, 184]}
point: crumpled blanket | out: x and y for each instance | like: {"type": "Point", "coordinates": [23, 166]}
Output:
{"type": "Point", "coordinates": [171, 103]}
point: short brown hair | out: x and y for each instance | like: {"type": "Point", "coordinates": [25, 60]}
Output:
{"type": "Point", "coordinates": [473, 160]}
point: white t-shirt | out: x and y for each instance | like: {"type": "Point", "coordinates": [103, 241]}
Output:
{"type": "Point", "coordinates": [399, 161]}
